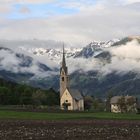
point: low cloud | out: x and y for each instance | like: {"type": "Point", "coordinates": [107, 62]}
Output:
{"type": "Point", "coordinates": [10, 62]}
{"type": "Point", "coordinates": [82, 64]}
{"type": "Point", "coordinates": [125, 58]}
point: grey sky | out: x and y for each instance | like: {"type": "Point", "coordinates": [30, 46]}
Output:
{"type": "Point", "coordinates": [73, 21]}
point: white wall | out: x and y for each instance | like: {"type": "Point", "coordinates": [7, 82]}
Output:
{"type": "Point", "coordinates": [115, 108]}
{"type": "Point", "coordinates": [66, 96]}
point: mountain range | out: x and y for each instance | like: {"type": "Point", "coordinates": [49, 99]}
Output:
{"type": "Point", "coordinates": [98, 69]}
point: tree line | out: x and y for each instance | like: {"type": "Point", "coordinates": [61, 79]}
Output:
{"type": "Point", "coordinates": [16, 94]}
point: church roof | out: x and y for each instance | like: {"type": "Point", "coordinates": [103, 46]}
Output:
{"type": "Point", "coordinates": [63, 59]}
{"type": "Point", "coordinates": [75, 94]}
{"type": "Point", "coordinates": [64, 67]}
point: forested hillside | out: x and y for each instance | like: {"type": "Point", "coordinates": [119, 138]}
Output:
{"type": "Point", "coordinates": [16, 94]}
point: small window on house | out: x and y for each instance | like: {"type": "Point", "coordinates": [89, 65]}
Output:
{"type": "Point", "coordinates": [62, 78]}
{"type": "Point", "coordinates": [66, 101]}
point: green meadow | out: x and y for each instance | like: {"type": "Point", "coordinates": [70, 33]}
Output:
{"type": "Point", "coordinates": [19, 115]}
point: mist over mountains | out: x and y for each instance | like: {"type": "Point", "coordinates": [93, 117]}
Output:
{"type": "Point", "coordinates": [97, 69]}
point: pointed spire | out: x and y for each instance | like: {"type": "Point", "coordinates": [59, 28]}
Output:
{"type": "Point", "coordinates": [63, 59]}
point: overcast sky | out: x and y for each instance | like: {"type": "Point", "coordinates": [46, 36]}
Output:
{"type": "Point", "coordinates": [71, 21]}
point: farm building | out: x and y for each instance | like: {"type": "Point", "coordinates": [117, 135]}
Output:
{"type": "Point", "coordinates": [120, 104]}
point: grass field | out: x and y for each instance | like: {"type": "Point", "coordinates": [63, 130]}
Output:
{"type": "Point", "coordinates": [18, 115]}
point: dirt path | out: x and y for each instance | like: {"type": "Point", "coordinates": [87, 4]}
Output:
{"type": "Point", "coordinates": [69, 130]}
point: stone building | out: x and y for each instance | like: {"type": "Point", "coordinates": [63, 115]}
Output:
{"type": "Point", "coordinates": [70, 99]}
{"type": "Point", "coordinates": [121, 104]}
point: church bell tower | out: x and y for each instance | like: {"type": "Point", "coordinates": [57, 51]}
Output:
{"type": "Point", "coordinates": [64, 78]}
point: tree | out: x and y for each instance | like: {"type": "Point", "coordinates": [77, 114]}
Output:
{"type": "Point", "coordinates": [52, 97]}
{"type": "Point", "coordinates": [26, 95]}
{"type": "Point", "coordinates": [131, 101]}
{"type": "Point", "coordinates": [98, 105]}
{"type": "Point", "coordinates": [122, 104]}
{"type": "Point", "coordinates": [131, 104]}
{"type": "Point", "coordinates": [4, 95]}
{"type": "Point", "coordinates": [88, 102]}
{"type": "Point", "coordinates": [38, 98]}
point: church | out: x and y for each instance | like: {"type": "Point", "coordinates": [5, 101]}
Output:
{"type": "Point", "coordinates": [70, 99]}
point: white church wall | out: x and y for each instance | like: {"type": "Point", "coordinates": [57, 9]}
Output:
{"type": "Point", "coordinates": [66, 98]}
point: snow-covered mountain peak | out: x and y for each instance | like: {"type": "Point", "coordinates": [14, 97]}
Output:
{"type": "Point", "coordinates": [110, 43]}
{"type": "Point", "coordinates": [55, 53]}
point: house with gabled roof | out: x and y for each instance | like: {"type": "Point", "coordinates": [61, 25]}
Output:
{"type": "Point", "coordinates": [121, 104]}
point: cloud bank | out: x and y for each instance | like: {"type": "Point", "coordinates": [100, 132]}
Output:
{"type": "Point", "coordinates": [124, 59]}
{"type": "Point", "coordinates": [87, 21]}
{"type": "Point", "coordinates": [11, 63]}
